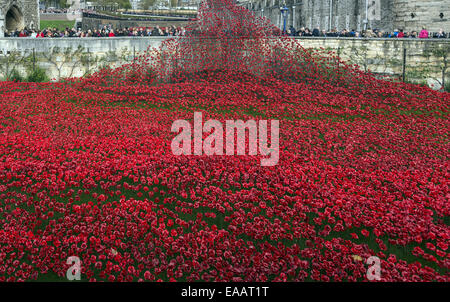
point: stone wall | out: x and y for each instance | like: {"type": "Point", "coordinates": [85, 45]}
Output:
{"type": "Point", "coordinates": [31, 13]}
{"type": "Point", "coordinates": [426, 60]}
{"type": "Point", "coordinates": [347, 14]}
{"type": "Point", "coordinates": [17, 14]}
{"type": "Point", "coordinates": [426, 13]}
{"type": "Point", "coordinates": [385, 15]}
{"type": "Point", "coordinates": [70, 57]}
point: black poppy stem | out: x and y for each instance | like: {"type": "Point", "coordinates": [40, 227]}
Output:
{"type": "Point", "coordinates": [134, 60]}
{"type": "Point", "coordinates": [404, 65]}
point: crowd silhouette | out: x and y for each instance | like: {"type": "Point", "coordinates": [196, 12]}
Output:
{"type": "Point", "coordinates": [369, 33]}
{"type": "Point", "coordinates": [108, 31]}
{"type": "Point", "coordinates": [99, 33]}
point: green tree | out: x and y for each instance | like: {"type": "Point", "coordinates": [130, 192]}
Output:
{"type": "Point", "coordinates": [58, 3]}
{"type": "Point", "coordinates": [145, 4]}
{"type": "Point", "coordinates": [125, 4]}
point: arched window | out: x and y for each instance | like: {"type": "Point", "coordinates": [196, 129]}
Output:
{"type": "Point", "coordinates": [14, 19]}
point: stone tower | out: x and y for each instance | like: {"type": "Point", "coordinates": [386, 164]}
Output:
{"type": "Point", "coordinates": [18, 14]}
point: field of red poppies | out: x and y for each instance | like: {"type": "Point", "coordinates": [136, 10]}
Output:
{"type": "Point", "coordinates": [86, 170]}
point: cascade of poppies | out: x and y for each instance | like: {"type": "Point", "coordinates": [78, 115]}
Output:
{"type": "Point", "coordinates": [227, 42]}
{"type": "Point", "coordinates": [228, 39]}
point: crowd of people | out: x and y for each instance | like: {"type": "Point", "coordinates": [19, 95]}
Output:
{"type": "Point", "coordinates": [424, 33]}
{"type": "Point", "coordinates": [53, 10]}
{"type": "Point", "coordinates": [98, 33]}
{"type": "Point", "coordinates": [107, 31]}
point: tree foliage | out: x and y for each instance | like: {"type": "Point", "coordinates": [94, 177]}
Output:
{"type": "Point", "coordinates": [121, 3]}
{"type": "Point", "coordinates": [145, 4]}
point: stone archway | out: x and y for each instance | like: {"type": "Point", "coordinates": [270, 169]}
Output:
{"type": "Point", "coordinates": [14, 19]}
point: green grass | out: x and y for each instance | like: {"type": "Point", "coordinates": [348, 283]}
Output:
{"type": "Point", "coordinates": [59, 24]}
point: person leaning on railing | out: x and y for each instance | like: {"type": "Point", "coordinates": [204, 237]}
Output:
{"type": "Point", "coordinates": [423, 33]}
{"type": "Point", "coordinates": [440, 35]}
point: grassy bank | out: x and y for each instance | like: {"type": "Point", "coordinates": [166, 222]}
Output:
{"type": "Point", "coordinates": [59, 24]}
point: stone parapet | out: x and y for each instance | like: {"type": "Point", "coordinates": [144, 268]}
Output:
{"type": "Point", "coordinates": [426, 60]}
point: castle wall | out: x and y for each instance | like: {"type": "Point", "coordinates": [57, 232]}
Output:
{"type": "Point", "coordinates": [385, 15]}
{"type": "Point", "coordinates": [31, 13]}
{"type": "Point", "coordinates": [28, 11]}
{"type": "Point", "coordinates": [427, 60]}
{"type": "Point", "coordinates": [426, 13]}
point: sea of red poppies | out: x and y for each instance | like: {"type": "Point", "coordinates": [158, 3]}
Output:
{"type": "Point", "coordinates": [86, 169]}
